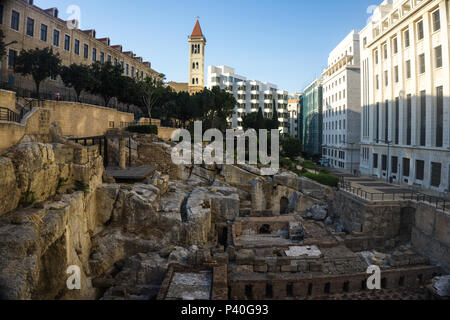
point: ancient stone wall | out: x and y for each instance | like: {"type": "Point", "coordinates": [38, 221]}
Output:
{"type": "Point", "coordinates": [301, 288]}
{"type": "Point", "coordinates": [54, 187]}
{"type": "Point", "coordinates": [90, 121]}
{"type": "Point", "coordinates": [430, 234]}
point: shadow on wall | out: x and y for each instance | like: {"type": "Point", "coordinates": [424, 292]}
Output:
{"type": "Point", "coordinates": [407, 140]}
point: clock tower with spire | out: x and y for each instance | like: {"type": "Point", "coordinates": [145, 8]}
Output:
{"type": "Point", "coordinates": [197, 43]}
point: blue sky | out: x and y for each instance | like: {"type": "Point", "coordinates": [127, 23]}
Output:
{"type": "Point", "coordinates": [285, 42]}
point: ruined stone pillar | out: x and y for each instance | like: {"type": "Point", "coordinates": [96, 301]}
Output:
{"type": "Point", "coordinates": [258, 199]}
{"type": "Point", "coordinates": [122, 153]}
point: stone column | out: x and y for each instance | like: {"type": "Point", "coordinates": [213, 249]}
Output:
{"type": "Point", "coordinates": [122, 153]}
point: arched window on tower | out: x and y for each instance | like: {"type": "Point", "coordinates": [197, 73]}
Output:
{"type": "Point", "coordinates": [196, 81]}
{"type": "Point", "coordinates": [196, 65]}
{"type": "Point", "coordinates": [193, 65]}
{"type": "Point", "coordinates": [193, 80]}
{"type": "Point", "coordinates": [193, 48]}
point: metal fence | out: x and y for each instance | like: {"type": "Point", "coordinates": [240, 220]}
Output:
{"type": "Point", "coordinates": [439, 203]}
{"type": "Point", "coordinates": [9, 115]}
{"type": "Point", "coordinates": [68, 96]}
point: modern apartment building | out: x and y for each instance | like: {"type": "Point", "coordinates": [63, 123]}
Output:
{"type": "Point", "coordinates": [27, 26]}
{"type": "Point", "coordinates": [312, 121]}
{"type": "Point", "coordinates": [251, 95]}
{"type": "Point", "coordinates": [294, 110]}
{"type": "Point", "coordinates": [341, 105]}
{"type": "Point", "coordinates": [405, 82]}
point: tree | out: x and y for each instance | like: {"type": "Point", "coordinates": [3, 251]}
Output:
{"type": "Point", "coordinates": [291, 147]}
{"type": "Point", "coordinates": [2, 45]}
{"type": "Point", "coordinates": [151, 92]}
{"type": "Point", "coordinates": [78, 77]}
{"type": "Point", "coordinates": [128, 92]}
{"type": "Point", "coordinates": [39, 63]}
{"type": "Point", "coordinates": [106, 80]}
{"type": "Point", "coordinates": [217, 107]}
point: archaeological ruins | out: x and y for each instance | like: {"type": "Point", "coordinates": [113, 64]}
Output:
{"type": "Point", "coordinates": [200, 232]}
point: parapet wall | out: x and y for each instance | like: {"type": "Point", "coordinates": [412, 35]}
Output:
{"type": "Point", "coordinates": [83, 120]}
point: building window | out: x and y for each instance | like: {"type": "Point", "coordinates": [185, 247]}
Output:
{"type": "Point", "coordinates": [406, 167]}
{"type": "Point", "coordinates": [1, 13]}
{"type": "Point", "coordinates": [386, 117]}
{"type": "Point", "coordinates": [376, 56]}
{"type": "Point", "coordinates": [420, 30]}
{"type": "Point", "coordinates": [115, 62]}
{"type": "Point", "coordinates": [420, 169]}
{"type": "Point", "coordinates": [127, 72]}
{"type": "Point", "coordinates": [102, 57]}
{"type": "Point", "coordinates": [436, 21]}
{"type": "Point", "coordinates": [44, 29]}
{"type": "Point", "coordinates": [86, 51]}
{"type": "Point", "coordinates": [77, 47]}
{"type": "Point", "coordinates": [30, 27]}
{"type": "Point", "coordinates": [132, 72]}
{"type": "Point", "coordinates": [394, 165]}
{"type": "Point", "coordinates": [386, 79]}
{"type": "Point", "coordinates": [395, 45]}
{"type": "Point", "coordinates": [423, 117]}
{"type": "Point", "coordinates": [375, 161]}
{"type": "Point", "coordinates": [396, 74]}
{"type": "Point", "coordinates": [378, 82]}
{"type": "Point", "coordinates": [438, 56]}
{"type": "Point", "coordinates": [56, 38]}
{"type": "Point", "coordinates": [67, 42]}
{"type": "Point", "coordinates": [94, 54]}
{"type": "Point", "coordinates": [408, 120]}
{"type": "Point", "coordinates": [384, 162]}
{"type": "Point", "coordinates": [15, 18]}
{"type": "Point", "coordinates": [408, 69]}
{"type": "Point", "coordinates": [436, 170]}
{"type": "Point", "coordinates": [397, 120]}
{"type": "Point", "coordinates": [109, 58]}
{"type": "Point", "coordinates": [12, 58]}
{"type": "Point", "coordinates": [407, 39]}
{"type": "Point", "coordinates": [422, 63]}
{"type": "Point", "coordinates": [385, 51]}
{"type": "Point", "coordinates": [439, 116]}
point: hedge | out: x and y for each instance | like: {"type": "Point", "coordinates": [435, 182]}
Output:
{"type": "Point", "coordinates": [323, 178]}
{"type": "Point", "coordinates": [308, 164]}
{"type": "Point", "coordinates": [143, 129]}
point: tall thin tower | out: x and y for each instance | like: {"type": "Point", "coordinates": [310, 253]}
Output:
{"type": "Point", "coordinates": [197, 43]}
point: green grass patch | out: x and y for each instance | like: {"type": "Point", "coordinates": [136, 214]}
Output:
{"type": "Point", "coordinates": [323, 178]}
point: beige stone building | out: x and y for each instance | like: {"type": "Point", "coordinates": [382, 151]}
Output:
{"type": "Point", "coordinates": [29, 27]}
{"type": "Point", "coordinates": [405, 90]}
{"type": "Point", "coordinates": [197, 43]}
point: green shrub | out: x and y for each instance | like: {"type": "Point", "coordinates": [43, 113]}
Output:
{"type": "Point", "coordinates": [323, 178]}
{"type": "Point", "coordinates": [143, 129]}
{"type": "Point", "coordinates": [291, 147]}
{"type": "Point", "coordinates": [81, 186]}
{"type": "Point", "coordinates": [308, 164]}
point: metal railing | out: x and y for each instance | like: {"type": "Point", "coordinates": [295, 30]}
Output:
{"type": "Point", "coordinates": [9, 115]}
{"type": "Point", "coordinates": [439, 203]}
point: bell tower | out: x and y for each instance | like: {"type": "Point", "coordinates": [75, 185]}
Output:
{"type": "Point", "coordinates": [197, 43]}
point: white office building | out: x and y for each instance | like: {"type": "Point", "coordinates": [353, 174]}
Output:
{"type": "Point", "coordinates": [341, 105]}
{"type": "Point", "coordinates": [294, 110]}
{"type": "Point", "coordinates": [405, 83]}
{"type": "Point", "coordinates": [251, 95]}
